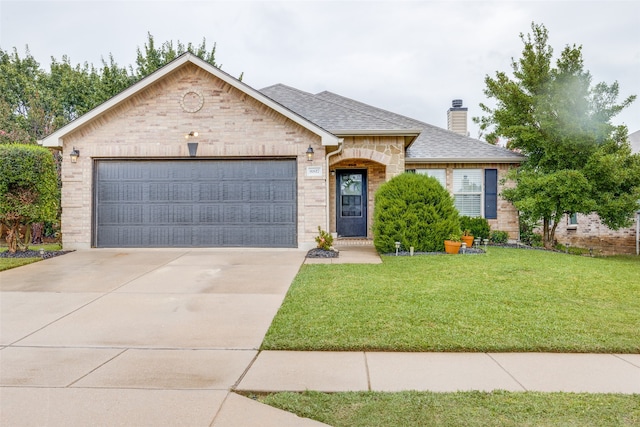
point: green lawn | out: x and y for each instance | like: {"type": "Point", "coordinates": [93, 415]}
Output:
{"type": "Point", "coordinates": [7, 263]}
{"type": "Point", "coordinates": [508, 300]}
{"type": "Point", "coordinates": [370, 409]}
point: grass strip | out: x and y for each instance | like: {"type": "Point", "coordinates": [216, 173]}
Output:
{"type": "Point", "coordinates": [471, 409]}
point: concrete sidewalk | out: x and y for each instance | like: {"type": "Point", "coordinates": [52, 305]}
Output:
{"type": "Point", "coordinates": [275, 371]}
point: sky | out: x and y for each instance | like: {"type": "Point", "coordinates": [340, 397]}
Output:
{"type": "Point", "coordinates": [409, 57]}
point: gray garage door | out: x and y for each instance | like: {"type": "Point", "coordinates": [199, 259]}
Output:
{"type": "Point", "coordinates": [195, 203]}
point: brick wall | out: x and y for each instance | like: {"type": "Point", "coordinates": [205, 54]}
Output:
{"type": "Point", "coordinates": [153, 124]}
{"type": "Point", "coordinates": [382, 157]}
{"type": "Point", "coordinates": [507, 214]}
{"type": "Point", "coordinates": [591, 233]}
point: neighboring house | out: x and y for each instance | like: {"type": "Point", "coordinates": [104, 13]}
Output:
{"type": "Point", "coordinates": [192, 157]}
{"type": "Point", "coordinates": [587, 231]}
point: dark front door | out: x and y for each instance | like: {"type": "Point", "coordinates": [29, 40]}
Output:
{"type": "Point", "coordinates": [351, 203]}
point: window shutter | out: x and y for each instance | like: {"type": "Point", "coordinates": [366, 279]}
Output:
{"type": "Point", "coordinates": [491, 193]}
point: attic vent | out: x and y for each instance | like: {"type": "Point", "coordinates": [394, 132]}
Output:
{"type": "Point", "coordinates": [456, 103]}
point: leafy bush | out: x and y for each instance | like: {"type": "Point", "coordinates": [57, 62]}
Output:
{"type": "Point", "coordinates": [416, 211]}
{"type": "Point", "coordinates": [28, 191]}
{"type": "Point", "coordinates": [324, 239]}
{"type": "Point", "coordinates": [478, 227]}
{"type": "Point", "coordinates": [498, 236]}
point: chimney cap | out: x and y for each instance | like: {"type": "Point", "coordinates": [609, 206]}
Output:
{"type": "Point", "coordinates": [456, 103]}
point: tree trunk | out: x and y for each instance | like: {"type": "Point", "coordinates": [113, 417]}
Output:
{"type": "Point", "coordinates": [24, 245]}
{"type": "Point", "coordinates": [12, 237]}
{"type": "Point", "coordinates": [548, 243]}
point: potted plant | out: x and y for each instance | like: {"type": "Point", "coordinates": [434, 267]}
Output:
{"type": "Point", "coordinates": [452, 244]}
{"type": "Point", "coordinates": [467, 238]}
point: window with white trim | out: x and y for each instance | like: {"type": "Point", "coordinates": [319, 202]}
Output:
{"type": "Point", "coordinates": [439, 174]}
{"type": "Point", "coordinates": [467, 191]}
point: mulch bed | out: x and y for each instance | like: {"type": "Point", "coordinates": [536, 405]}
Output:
{"type": "Point", "coordinates": [33, 254]}
{"type": "Point", "coordinates": [321, 253]}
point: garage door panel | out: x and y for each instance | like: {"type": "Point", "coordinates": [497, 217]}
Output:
{"type": "Point", "coordinates": [206, 203]}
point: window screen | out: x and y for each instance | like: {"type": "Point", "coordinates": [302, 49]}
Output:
{"type": "Point", "coordinates": [439, 174]}
{"type": "Point", "coordinates": [467, 191]}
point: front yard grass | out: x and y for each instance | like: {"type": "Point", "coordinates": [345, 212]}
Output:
{"type": "Point", "coordinates": [507, 300]}
{"type": "Point", "coordinates": [7, 263]}
{"type": "Point", "coordinates": [472, 409]}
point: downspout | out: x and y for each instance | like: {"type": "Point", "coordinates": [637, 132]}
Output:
{"type": "Point", "coordinates": [328, 209]}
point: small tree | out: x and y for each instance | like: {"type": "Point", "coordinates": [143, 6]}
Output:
{"type": "Point", "coordinates": [577, 160]}
{"type": "Point", "coordinates": [414, 210]}
{"type": "Point", "coordinates": [28, 191]}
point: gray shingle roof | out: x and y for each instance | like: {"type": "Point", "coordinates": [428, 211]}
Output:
{"type": "Point", "coordinates": [337, 113]}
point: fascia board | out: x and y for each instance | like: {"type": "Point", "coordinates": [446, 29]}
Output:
{"type": "Point", "coordinates": [465, 160]}
{"type": "Point", "coordinates": [376, 132]}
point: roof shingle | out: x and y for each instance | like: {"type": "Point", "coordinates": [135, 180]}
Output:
{"type": "Point", "coordinates": [337, 113]}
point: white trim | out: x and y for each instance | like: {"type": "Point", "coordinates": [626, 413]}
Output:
{"type": "Point", "coordinates": [55, 139]}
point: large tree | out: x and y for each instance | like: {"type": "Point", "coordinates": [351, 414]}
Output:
{"type": "Point", "coordinates": [577, 160]}
{"type": "Point", "coordinates": [35, 102]}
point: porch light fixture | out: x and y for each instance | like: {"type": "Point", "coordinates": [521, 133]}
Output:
{"type": "Point", "coordinates": [310, 153]}
{"type": "Point", "coordinates": [193, 148]}
{"type": "Point", "coordinates": [74, 155]}
{"type": "Point", "coordinates": [191, 134]}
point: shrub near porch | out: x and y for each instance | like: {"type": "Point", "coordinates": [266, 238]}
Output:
{"type": "Point", "coordinates": [416, 211]}
{"type": "Point", "coordinates": [507, 300]}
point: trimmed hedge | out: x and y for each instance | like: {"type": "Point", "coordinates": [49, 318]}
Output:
{"type": "Point", "coordinates": [478, 227]}
{"type": "Point", "coordinates": [414, 210]}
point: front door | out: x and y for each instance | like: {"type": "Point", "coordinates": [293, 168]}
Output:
{"type": "Point", "coordinates": [351, 203]}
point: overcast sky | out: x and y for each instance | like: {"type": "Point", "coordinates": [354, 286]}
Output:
{"type": "Point", "coordinates": [409, 57]}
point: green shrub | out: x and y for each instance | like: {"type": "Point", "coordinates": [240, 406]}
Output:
{"type": "Point", "coordinates": [324, 239]}
{"type": "Point", "coordinates": [527, 234]}
{"type": "Point", "coordinates": [498, 236]}
{"type": "Point", "coordinates": [416, 211]}
{"type": "Point", "coordinates": [478, 227]}
{"type": "Point", "coordinates": [28, 191]}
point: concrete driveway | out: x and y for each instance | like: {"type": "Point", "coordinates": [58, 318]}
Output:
{"type": "Point", "coordinates": [138, 337]}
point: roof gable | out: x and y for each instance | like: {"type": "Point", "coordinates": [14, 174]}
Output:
{"type": "Point", "coordinates": [55, 139]}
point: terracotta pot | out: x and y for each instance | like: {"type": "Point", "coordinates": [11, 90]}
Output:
{"type": "Point", "coordinates": [452, 247]}
{"type": "Point", "coordinates": [468, 240]}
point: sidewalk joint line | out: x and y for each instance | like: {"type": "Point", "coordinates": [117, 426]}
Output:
{"type": "Point", "coordinates": [96, 368]}
{"type": "Point", "coordinates": [366, 367]}
{"type": "Point", "coordinates": [507, 372]}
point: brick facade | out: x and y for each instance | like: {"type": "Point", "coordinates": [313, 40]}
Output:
{"type": "Point", "coordinates": [507, 214]}
{"type": "Point", "coordinates": [591, 233]}
{"type": "Point", "coordinates": [152, 124]}
{"type": "Point", "coordinates": [152, 120]}
{"type": "Point", "coordinates": [382, 157]}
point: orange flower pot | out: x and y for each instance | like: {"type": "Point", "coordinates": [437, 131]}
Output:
{"type": "Point", "coordinates": [452, 247]}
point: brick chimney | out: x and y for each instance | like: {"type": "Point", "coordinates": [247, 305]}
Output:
{"type": "Point", "coordinates": [457, 118]}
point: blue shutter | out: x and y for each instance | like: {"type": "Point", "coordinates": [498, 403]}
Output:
{"type": "Point", "coordinates": [491, 193]}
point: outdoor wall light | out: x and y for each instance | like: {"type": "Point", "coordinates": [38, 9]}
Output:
{"type": "Point", "coordinates": [191, 134]}
{"type": "Point", "coordinates": [193, 148]}
{"type": "Point", "coordinates": [74, 155]}
{"type": "Point", "coordinates": [310, 153]}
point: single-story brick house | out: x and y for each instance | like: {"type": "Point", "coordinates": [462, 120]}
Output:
{"type": "Point", "coordinates": [192, 157]}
